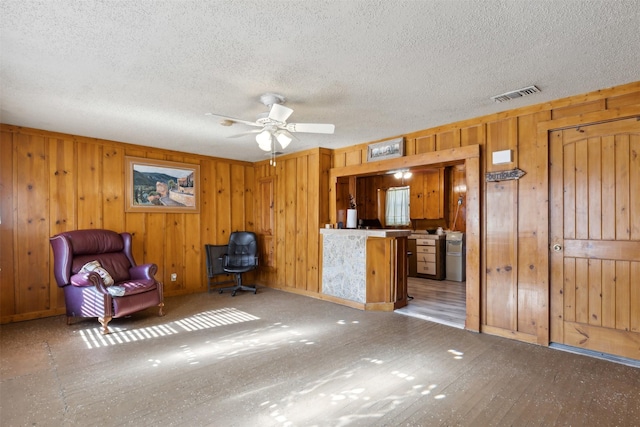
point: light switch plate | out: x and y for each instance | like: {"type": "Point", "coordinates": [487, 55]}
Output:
{"type": "Point", "coordinates": [500, 157]}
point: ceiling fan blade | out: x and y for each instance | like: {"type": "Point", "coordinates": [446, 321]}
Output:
{"type": "Point", "coordinates": [234, 120]}
{"type": "Point", "coordinates": [280, 113]}
{"type": "Point", "coordinates": [249, 132]}
{"type": "Point", "coordinates": [311, 127]}
{"type": "Point", "coordinates": [290, 135]}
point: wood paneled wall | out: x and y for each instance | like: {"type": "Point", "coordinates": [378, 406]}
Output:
{"type": "Point", "coordinates": [51, 182]}
{"type": "Point", "coordinates": [514, 260]}
{"type": "Point", "coordinates": [301, 208]}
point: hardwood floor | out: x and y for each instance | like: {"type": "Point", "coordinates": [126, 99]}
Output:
{"type": "Point", "coordinates": [440, 301]}
{"type": "Point", "coordinates": [284, 360]}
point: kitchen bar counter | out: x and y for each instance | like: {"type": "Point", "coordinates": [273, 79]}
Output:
{"type": "Point", "coordinates": [365, 232]}
{"type": "Point", "coordinates": [365, 269]}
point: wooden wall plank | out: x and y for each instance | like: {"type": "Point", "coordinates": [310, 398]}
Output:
{"type": "Point", "coordinates": [582, 189]}
{"type": "Point", "coordinates": [89, 184]}
{"type": "Point", "coordinates": [301, 212]}
{"type": "Point", "coordinates": [62, 210]}
{"type": "Point", "coordinates": [501, 265]}
{"type": "Point", "coordinates": [238, 186]}
{"type": "Point", "coordinates": [623, 295]}
{"type": "Point", "coordinates": [608, 189]}
{"type": "Point", "coordinates": [8, 284]}
{"type": "Point", "coordinates": [194, 274]}
{"type": "Point", "coordinates": [32, 207]}
{"type": "Point", "coordinates": [223, 202]}
{"type": "Point", "coordinates": [634, 292]}
{"type": "Point", "coordinates": [280, 231]}
{"type": "Point", "coordinates": [623, 219]}
{"type": "Point", "coordinates": [634, 186]}
{"type": "Point", "coordinates": [557, 188]}
{"type": "Point", "coordinates": [155, 243]}
{"type": "Point", "coordinates": [574, 110]}
{"type": "Point", "coordinates": [474, 259]}
{"type": "Point", "coordinates": [582, 290]}
{"type": "Point", "coordinates": [249, 198]}
{"type": "Point", "coordinates": [112, 188]}
{"type": "Point", "coordinates": [569, 291]}
{"type": "Point", "coordinates": [291, 224]}
{"type": "Point", "coordinates": [532, 252]}
{"type": "Point", "coordinates": [609, 294]}
{"type": "Point", "coordinates": [627, 99]}
{"type": "Point", "coordinates": [62, 185]}
{"type": "Point", "coordinates": [594, 188]}
{"type": "Point", "coordinates": [378, 250]}
{"type": "Point", "coordinates": [173, 236]}
{"type": "Point", "coordinates": [569, 191]}
{"type": "Point", "coordinates": [208, 205]}
{"type": "Point", "coordinates": [595, 292]}
{"type": "Point", "coordinates": [136, 224]}
{"type": "Point", "coordinates": [315, 218]}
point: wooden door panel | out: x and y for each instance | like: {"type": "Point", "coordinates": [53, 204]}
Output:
{"type": "Point", "coordinates": [597, 263]}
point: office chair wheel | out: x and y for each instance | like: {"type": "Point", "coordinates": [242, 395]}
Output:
{"type": "Point", "coordinates": [233, 294]}
{"type": "Point", "coordinates": [220, 291]}
{"type": "Point", "coordinates": [254, 291]}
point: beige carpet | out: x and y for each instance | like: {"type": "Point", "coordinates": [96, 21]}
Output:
{"type": "Point", "coordinates": [279, 359]}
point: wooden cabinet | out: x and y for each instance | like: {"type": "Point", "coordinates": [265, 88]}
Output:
{"type": "Point", "coordinates": [430, 257]}
{"type": "Point", "coordinates": [427, 199]}
{"type": "Point", "coordinates": [413, 271]}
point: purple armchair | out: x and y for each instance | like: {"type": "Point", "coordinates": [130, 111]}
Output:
{"type": "Point", "coordinates": [85, 293]}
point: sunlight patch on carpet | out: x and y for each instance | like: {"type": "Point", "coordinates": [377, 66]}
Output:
{"type": "Point", "coordinates": [205, 320]}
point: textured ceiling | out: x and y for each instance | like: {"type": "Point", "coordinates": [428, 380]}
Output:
{"type": "Point", "coordinates": [145, 72]}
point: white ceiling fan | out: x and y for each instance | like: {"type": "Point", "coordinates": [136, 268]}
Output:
{"type": "Point", "coordinates": [273, 124]}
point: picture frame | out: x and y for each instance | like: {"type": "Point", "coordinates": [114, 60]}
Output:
{"type": "Point", "coordinates": [161, 186]}
{"type": "Point", "coordinates": [385, 150]}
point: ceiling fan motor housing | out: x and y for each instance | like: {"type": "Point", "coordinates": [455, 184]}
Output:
{"type": "Point", "coordinates": [269, 99]}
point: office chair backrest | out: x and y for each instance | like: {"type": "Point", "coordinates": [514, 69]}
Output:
{"type": "Point", "coordinates": [243, 249]}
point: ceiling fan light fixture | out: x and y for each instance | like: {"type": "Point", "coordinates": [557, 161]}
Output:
{"type": "Point", "coordinates": [397, 175]}
{"type": "Point", "coordinates": [264, 140]}
{"type": "Point", "coordinates": [283, 139]}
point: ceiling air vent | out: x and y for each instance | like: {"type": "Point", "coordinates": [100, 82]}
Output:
{"type": "Point", "coordinates": [515, 94]}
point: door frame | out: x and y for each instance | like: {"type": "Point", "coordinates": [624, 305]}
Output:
{"type": "Point", "coordinates": [469, 156]}
{"type": "Point", "coordinates": [553, 318]}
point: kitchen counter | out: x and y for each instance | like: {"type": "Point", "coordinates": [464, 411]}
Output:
{"type": "Point", "coordinates": [365, 232]}
{"type": "Point", "coordinates": [426, 236]}
{"type": "Point", "coordinates": [365, 269]}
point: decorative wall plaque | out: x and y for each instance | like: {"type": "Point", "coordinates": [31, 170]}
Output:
{"type": "Point", "coordinates": [504, 175]}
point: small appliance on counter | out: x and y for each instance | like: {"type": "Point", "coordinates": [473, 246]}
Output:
{"type": "Point", "coordinates": [456, 256]}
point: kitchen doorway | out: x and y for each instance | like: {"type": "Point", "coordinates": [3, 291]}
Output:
{"type": "Point", "coordinates": [439, 301]}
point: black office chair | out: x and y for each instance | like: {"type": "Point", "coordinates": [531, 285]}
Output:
{"type": "Point", "coordinates": [215, 268]}
{"type": "Point", "coordinates": [241, 256]}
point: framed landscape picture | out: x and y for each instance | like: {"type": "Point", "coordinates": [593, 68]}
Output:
{"type": "Point", "coordinates": [161, 186]}
{"type": "Point", "coordinates": [385, 149]}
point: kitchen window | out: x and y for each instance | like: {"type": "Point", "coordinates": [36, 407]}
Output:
{"type": "Point", "coordinates": [397, 207]}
